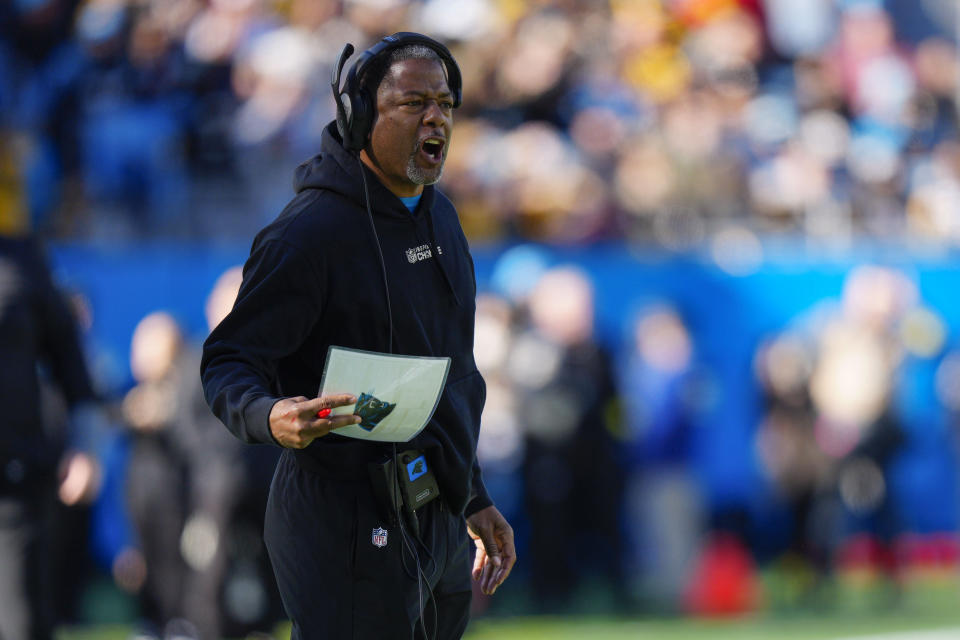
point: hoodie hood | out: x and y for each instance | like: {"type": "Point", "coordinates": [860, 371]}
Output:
{"type": "Point", "coordinates": [336, 169]}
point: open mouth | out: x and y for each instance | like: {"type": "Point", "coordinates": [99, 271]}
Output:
{"type": "Point", "coordinates": [433, 148]}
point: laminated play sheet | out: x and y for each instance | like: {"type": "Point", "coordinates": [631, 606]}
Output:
{"type": "Point", "coordinates": [396, 395]}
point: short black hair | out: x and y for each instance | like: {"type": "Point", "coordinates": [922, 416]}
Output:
{"type": "Point", "coordinates": [377, 69]}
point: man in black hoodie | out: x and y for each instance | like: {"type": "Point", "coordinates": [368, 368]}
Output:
{"type": "Point", "coordinates": [368, 255]}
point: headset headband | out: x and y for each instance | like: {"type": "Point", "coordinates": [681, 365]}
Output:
{"type": "Point", "coordinates": [406, 38]}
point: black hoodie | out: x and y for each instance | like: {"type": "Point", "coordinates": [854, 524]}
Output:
{"type": "Point", "coordinates": [36, 326]}
{"type": "Point", "coordinates": [313, 279]}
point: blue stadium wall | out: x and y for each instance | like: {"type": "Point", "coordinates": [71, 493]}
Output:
{"type": "Point", "coordinates": [728, 315]}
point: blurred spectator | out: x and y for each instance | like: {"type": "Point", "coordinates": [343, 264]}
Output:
{"type": "Point", "coordinates": [196, 496]}
{"type": "Point", "coordinates": [156, 472]}
{"type": "Point", "coordinates": [802, 473]}
{"type": "Point", "coordinates": [500, 447]}
{"type": "Point", "coordinates": [214, 479]}
{"type": "Point", "coordinates": [228, 588]}
{"type": "Point", "coordinates": [132, 114]}
{"type": "Point", "coordinates": [665, 514]}
{"type": "Point", "coordinates": [835, 424]}
{"type": "Point", "coordinates": [564, 393]}
{"type": "Point", "coordinates": [39, 342]}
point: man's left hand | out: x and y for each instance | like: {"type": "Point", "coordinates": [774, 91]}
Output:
{"type": "Point", "coordinates": [496, 554]}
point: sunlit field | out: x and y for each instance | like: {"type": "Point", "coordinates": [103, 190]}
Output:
{"type": "Point", "coordinates": [812, 628]}
{"type": "Point", "coordinates": [807, 627]}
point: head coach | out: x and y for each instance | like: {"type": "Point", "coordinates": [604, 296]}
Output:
{"type": "Point", "coordinates": [367, 255]}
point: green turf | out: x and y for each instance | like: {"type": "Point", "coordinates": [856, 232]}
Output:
{"type": "Point", "coordinates": [94, 633]}
{"type": "Point", "coordinates": [743, 629]}
{"type": "Point", "coordinates": [586, 628]}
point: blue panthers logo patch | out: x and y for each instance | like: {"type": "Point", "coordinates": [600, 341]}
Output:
{"type": "Point", "coordinates": [416, 468]}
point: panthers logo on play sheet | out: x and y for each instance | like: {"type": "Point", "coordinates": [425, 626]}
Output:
{"type": "Point", "coordinates": [372, 410]}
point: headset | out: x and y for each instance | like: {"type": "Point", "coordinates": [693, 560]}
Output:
{"type": "Point", "coordinates": [356, 107]}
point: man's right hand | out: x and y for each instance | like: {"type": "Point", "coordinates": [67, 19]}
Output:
{"type": "Point", "coordinates": [294, 422]}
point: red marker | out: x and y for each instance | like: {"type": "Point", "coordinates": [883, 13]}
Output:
{"type": "Point", "coordinates": [323, 413]}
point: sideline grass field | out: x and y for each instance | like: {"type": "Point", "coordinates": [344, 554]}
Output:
{"type": "Point", "coordinates": [812, 628]}
{"type": "Point", "coordinates": [872, 627]}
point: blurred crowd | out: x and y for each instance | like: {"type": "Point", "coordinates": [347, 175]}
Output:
{"type": "Point", "coordinates": [600, 452]}
{"type": "Point", "coordinates": [668, 122]}
{"type": "Point", "coordinates": [677, 124]}
{"type": "Point", "coordinates": [849, 448]}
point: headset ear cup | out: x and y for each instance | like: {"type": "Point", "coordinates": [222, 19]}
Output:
{"type": "Point", "coordinates": [361, 121]}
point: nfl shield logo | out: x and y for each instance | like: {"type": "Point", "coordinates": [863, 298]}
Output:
{"type": "Point", "coordinates": [379, 537]}
{"type": "Point", "coordinates": [411, 255]}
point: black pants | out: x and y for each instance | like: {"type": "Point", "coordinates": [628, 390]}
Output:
{"type": "Point", "coordinates": [155, 500]}
{"type": "Point", "coordinates": [338, 581]}
{"type": "Point", "coordinates": [25, 606]}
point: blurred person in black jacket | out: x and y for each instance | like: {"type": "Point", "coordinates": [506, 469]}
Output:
{"type": "Point", "coordinates": [187, 479]}
{"type": "Point", "coordinates": [157, 468]}
{"type": "Point", "coordinates": [226, 494]}
{"type": "Point", "coordinates": [38, 337]}
{"type": "Point", "coordinates": [573, 479]}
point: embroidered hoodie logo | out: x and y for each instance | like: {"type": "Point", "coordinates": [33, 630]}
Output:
{"type": "Point", "coordinates": [417, 254]}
